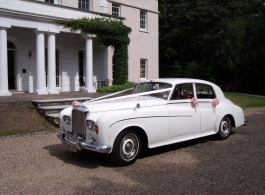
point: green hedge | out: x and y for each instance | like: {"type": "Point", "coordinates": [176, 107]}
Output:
{"type": "Point", "coordinates": [116, 88]}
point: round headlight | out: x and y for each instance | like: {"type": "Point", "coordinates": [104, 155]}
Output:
{"type": "Point", "coordinates": [67, 120]}
{"type": "Point", "coordinates": [90, 125]}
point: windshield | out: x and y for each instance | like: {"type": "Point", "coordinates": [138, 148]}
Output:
{"type": "Point", "coordinates": [152, 86]}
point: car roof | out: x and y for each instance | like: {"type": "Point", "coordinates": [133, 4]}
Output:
{"type": "Point", "coordinates": [179, 80]}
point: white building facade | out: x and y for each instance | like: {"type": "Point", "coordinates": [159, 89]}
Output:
{"type": "Point", "coordinates": [39, 56]}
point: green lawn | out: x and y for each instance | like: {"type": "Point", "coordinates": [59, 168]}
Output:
{"type": "Point", "coordinates": [245, 101]}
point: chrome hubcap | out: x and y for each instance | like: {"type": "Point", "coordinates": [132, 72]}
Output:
{"type": "Point", "coordinates": [225, 127]}
{"type": "Point", "coordinates": [129, 147]}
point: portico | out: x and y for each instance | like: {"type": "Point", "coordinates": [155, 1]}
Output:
{"type": "Point", "coordinates": [53, 64]}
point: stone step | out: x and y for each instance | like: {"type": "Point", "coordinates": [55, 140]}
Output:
{"type": "Point", "coordinates": [53, 118]}
{"type": "Point", "coordinates": [14, 91]}
{"type": "Point", "coordinates": [58, 102]}
{"type": "Point", "coordinates": [51, 109]}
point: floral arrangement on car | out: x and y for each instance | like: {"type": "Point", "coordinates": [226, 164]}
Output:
{"type": "Point", "coordinates": [194, 102]}
{"type": "Point", "coordinates": [76, 103]}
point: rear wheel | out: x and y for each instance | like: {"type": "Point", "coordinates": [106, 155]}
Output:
{"type": "Point", "coordinates": [224, 128]}
{"type": "Point", "coordinates": [126, 148]}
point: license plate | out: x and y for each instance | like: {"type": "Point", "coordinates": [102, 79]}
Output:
{"type": "Point", "coordinates": [70, 147]}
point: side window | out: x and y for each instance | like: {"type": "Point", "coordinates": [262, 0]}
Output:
{"type": "Point", "coordinates": [182, 91]}
{"type": "Point", "coordinates": [204, 91]}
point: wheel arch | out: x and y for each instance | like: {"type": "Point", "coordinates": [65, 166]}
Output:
{"type": "Point", "coordinates": [230, 113]}
{"type": "Point", "coordinates": [142, 134]}
{"type": "Point", "coordinates": [231, 119]}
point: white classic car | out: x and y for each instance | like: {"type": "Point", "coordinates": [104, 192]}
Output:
{"type": "Point", "coordinates": [157, 112]}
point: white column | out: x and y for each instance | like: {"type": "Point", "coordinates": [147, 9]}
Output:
{"type": "Point", "coordinates": [40, 64]}
{"type": "Point", "coordinates": [3, 64]}
{"type": "Point", "coordinates": [51, 83]}
{"type": "Point", "coordinates": [89, 65]}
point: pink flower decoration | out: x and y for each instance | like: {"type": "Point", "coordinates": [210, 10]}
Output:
{"type": "Point", "coordinates": [194, 101]}
{"type": "Point", "coordinates": [76, 104]}
{"type": "Point", "coordinates": [215, 102]}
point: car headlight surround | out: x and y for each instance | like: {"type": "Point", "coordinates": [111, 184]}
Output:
{"type": "Point", "coordinates": [67, 120]}
{"type": "Point", "coordinates": [91, 125]}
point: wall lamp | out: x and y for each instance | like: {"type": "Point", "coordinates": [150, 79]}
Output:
{"type": "Point", "coordinates": [30, 54]}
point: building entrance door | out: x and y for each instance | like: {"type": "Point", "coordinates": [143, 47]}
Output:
{"type": "Point", "coordinates": [11, 65]}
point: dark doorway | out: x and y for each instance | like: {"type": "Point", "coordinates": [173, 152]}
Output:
{"type": "Point", "coordinates": [11, 64]}
{"type": "Point", "coordinates": [11, 69]}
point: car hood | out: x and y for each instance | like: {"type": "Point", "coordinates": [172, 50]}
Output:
{"type": "Point", "coordinates": [120, 104]}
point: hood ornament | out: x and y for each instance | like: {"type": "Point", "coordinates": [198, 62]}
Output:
{"type": "Point", "coordinates": [76, 104]}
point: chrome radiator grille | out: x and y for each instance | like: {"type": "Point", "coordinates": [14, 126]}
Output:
{"type": "Point", "coordinates": [79, 122]}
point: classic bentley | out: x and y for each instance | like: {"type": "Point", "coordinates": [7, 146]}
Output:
{"type": "Point", "coordinates": [157, 112]}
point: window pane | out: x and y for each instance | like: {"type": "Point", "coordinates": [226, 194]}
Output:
{"type": "Point", "coordinates": [83, 4]}
{"type": "Point", "coordinates": [204, 91]}
{"type": "Point", "coordinates": [142, 19]}
{"type": "Point", "coordinates": [142, 68]}
{"type": "Point", "coordinates": [115, 10]}
{"type": "Point", "coordinates": [182, 91]}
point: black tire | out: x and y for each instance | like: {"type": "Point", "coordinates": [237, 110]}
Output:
{"type": "Point", "coordinates": [126, 148]}
{"type": "Point", "coordinates": [225, 128]}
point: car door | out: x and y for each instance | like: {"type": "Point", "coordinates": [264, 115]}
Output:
{"type": "Point", "coordinates": [184, 117]}
{"type": "Point", "coordinates": [205, 95]}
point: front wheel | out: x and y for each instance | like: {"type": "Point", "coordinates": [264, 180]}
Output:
{"type": "Point", "coordinates": [224, 128]}
{"type": "Point", "coordinates": [126, 148]}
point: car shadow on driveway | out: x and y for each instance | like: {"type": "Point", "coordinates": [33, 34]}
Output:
{"type": "Point", "coordinates": [85, 159]}
{"type": "Point", "coordinates": [176, 146]}
{"type": "Point", "coordinates": [91, 160]}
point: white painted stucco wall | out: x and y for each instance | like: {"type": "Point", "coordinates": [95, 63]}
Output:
{"type": "Point", "coordinates": [143, 45]}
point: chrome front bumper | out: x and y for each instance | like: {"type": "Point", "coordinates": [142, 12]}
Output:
{"type": "Point", "coordinates": [246, 121]}
{"type": "Point", "coordinates": [80, 145]}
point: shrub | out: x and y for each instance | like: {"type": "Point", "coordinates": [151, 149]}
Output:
{"type": "Point", "coordinates": [115, 88]}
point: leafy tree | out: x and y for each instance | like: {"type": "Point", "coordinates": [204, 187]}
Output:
{"type": "Point", "coordinates": [220, 41]}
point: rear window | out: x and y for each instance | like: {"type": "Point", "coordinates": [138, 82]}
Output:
{"type": "Point", "coordinates": [204, 91]}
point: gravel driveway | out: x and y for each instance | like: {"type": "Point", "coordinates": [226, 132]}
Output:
{"type": "Point", "coordinates": [38, 164]}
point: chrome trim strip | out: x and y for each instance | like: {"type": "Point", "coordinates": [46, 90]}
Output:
{"type": "Point", "coordinates": [150, 117]}
{"type": "Point", "coordinates": [82, 145]}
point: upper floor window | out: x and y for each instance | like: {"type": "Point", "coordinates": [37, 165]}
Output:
{"type": "Point", "coordinates": [115, 10]}
{"type": "Point", "coordinates": [143, 68]}
{"type": "Point", "coordinates": [84, 4]}
{"type": "Point", "coordinates": [143, 20]}
{"type": "Point", "coordinates": [52, 1]}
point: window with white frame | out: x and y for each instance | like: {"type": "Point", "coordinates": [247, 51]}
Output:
{"type": "Point", "coordinates": [143, 20]}
{"type": "Point", "coordinates": [84, 4]}
{"type": "Point", "coordinates": [143, 68]}
{"type": "Point", "coordinates": [52, 1]}
{"type": "Point", "coordinates": [115, 10]}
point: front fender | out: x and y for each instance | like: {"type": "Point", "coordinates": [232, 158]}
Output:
{"type": "Point", "coordinates": [153, 120]}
